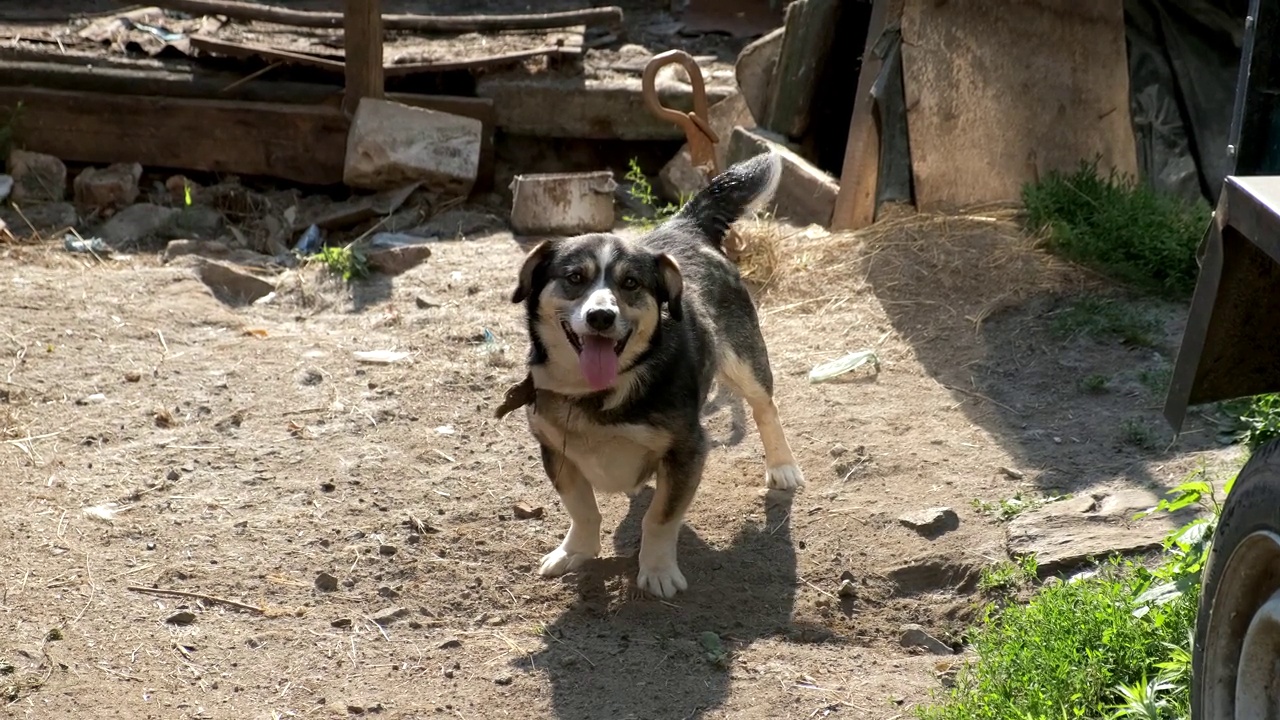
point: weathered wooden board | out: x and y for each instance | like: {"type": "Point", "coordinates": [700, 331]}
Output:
{"type": "Point", "coordinates": [301, 143]}
{"type": "Point", "coordinates": [998, 94]}
{"type": "Point", "coordinates": [806, 42]}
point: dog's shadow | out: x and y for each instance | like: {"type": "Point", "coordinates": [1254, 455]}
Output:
{"type": "Point", "coordinates": [617, 653]}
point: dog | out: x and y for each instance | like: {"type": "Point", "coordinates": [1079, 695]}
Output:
{"type": "Point", "coordinates": [626, 337]}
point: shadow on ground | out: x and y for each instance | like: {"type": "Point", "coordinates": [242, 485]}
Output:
{"type": "Point", "coordinates": [1037, 351]}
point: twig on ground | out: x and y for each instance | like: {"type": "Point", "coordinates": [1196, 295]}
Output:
{"type": "Point", "coordinates": [196, 596]}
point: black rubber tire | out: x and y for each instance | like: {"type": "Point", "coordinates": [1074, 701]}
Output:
{"type": "Point", "coordinates": [1253, 505]}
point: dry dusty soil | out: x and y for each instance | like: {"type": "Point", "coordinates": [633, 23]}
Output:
{"type": "Point", "coordinates": [153, 437]}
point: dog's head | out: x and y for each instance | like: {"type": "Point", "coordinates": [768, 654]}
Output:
{"type": "Point", "coordinates": [596, 302]}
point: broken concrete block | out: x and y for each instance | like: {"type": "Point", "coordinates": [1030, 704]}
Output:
{"type": "Point", "coordinates": [806, 195]}
{"type": "Point", "coordinates": [562, 203]}
{"type": "Point", "coordinates": [231, 285]}
{"type": "Point", "coordinates": [40, 218]}
{"type": "Point", "coordinates": [136, 223]}
{"type": "Point", "coordinates": [394, 253]}
{"type": "Point", "coordinates": [1067, 533]}
{"type": "Point", "coordinates": [112, 187]}
{"type": "Point", "coordinates": [679, 177]}
{"type": "Point", "coordinates": [755, 71]}
{"type": "Point", "coordinates": [391, 145]}
{"type": "Point", "coordinates": [37, 177]}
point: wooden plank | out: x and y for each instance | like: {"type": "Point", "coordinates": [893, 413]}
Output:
{"type": "Point", "coordinates": [809, 32]}
{"type": "Point", "coordinates": [299, 143]}
{"type": "Point", "coordinates": [610, 16]}
{"type": "Point", "coordinates": [856, 203]}
{"type": "Point", "coordinates": [213, 46]}
{"type": "Point", "coordinates": [998, 94]}
{"type": "Point", "coordinates": [362, 50]}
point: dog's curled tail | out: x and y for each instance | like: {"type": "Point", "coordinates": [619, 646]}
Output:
{"type": "Point", "coordinates": [744, 187]}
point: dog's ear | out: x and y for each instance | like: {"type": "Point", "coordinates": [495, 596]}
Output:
{"type": "Point", "coordinates": [533, 266]}
{"type": "Point", "coordinates": [670, 285]}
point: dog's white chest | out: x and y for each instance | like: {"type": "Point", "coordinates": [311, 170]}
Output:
{"type": "Point", "coordinates": [613, 458]}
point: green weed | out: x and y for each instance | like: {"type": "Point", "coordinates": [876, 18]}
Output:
{"type": "Point", "coordinates": [642, 192]}
{"type": "Point", "coordinates": [1255, 420]}
{"type": "Point", "coordinates": [345, 261]}
{"type": "Point", "coordinates": [1101, 317]}
{"type": "Point", "coordinates": [1138, 434]}
{"type": "Point", "coordinates": [1005, 576]}
{"type": "Point", "coordinates": [1095, 384]}
{"type": "Point", "coordinates": [1119, 226]}
{"type": "Point", "coordinates": [1009, 508]}
{"type": "Point", "coordinates": [1156, 380]}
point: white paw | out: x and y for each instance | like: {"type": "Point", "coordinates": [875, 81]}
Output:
{"type": "Point", "coordinates": [664, 580]}
{"type": "Point", "coordinates": [560, 561]}
{"type": "Point", "coordinates": [784, 477]}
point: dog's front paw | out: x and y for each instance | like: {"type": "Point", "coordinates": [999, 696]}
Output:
{"type": "Point", "coordinates": [560, 561]}
{"type": "Point", "coordinates": [784, 477]}
{"type": "Point", "coordinates": [663, 580]}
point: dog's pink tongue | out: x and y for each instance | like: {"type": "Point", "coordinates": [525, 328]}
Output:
{"type": "Point", "coordinates": [598, 361]}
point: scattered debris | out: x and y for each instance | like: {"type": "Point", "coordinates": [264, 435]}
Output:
{"type": "Point", "coordinates": [326, 582]}
{"type": "Point", "coordinates": [525, 511]}
{"type": "Point", "coordinates": [94, 399]}
{"type": "Point", "coordinates": [425, 303]}
{"type": "Point", "coordinates": [109, 188]}
{"type": "Point", "coordinates": [932, 521]}
{"type": "Point", "coordinates": [391, 144]}
{"type": "Point", "coordinates": [915, 636]}
{"type": "Point", "coordinates": [311, 242]}
{"type": "Point", "coordinates": [418, 526]}
{"type": "Point", "coordinates": [380, 357]}
{"type": "Point", "coordinates": [1012, 473]}
{"type": "Point", "coordinates": [562, 203]}
{"type": "Point", "coordinates": [449, 643]}
{"type": "Point", "coordinates": [835, 368]}
{"type": "Point", "coordinates": [387, 550]}
{"type": "Point", "coordinates": [503, 680]}
{"type": "Point", "coordinates": [106, 512]}
{"type": "Point", "coordinates": [37, 177]}
{"type": "Point", "coordinates": [89, 246]}
{"type": "Point", "coordinates": [182, 617]}
{"type": "Point", "coordinates": [341, 623]}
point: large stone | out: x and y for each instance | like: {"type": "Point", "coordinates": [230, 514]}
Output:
{"type": "Point", "coordinates": [232, 285]}
{"type": "Point", "coordinates": [755, 71]}
{"type": "Point", "coordinates": [679, 177]}
{"type": "Point", "coordinates": [806, 194]}
{"type": "Point", "coordinates": [199, 222]}
{"type": "Point", "coordinates": [916, 636]}
{"type": "Point", "coordinates": [37, 178]}
{"type": "Point", "coordinates": [112, 187]}
{"type": "Point", "coordinates": [932, 521]}
{"type": "Point", "coordinates": [391, 145]}
{"type": "Point", "coordinates": [394, 253]}
{"type": "Point", "coordinates": [1070, 532]}
{"type": "Point", "coordinates": [44, 217]}
{"type": "Point", "coordinates": [136, 223]}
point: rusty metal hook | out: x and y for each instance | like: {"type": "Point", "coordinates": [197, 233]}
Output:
{"type": "Point", "coordinates": [696, 124]}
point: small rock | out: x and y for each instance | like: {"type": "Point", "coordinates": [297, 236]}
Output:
{"type": "Point", "coordinates": [932, 521]}
{"type": "Point", "coordinates": [425, 303]}
{"type": "Point", "coordinates": [837, 451]}
{"type": "Point", "coordinates": [389, 615]}
{"type": "Point", "coordinates": [182, 617]}
{"type": "Point", "coordinates": [680, 177]}
{"type": "Point", "coordinates": [133, 376]}
{"type": "Point", "coordinates": [94, 399]}
{"type": "Point", "coordinates": [326, 582]}
{"type": "Point", "coordinates": [503, 680]}
{"type": "Point", "coordinates": [151, 546]}
{"type": "Point", "coordinates": [355, 708]}
{"type": "Point", "coordinates": [450, 643]}
{"type": "Point", "coordinates": [44, 217]}
{"type": "Point", "coordinates": [396, 260]}
{"type": "Point", "coordinates": [210, 249]}
{"type": "Point", "coordinates": [232, 285]}
{"type": "Point", "coordinates": [1015, 474]}
{"type": "Point", "coordinates": [915, 636]}
{"type": "Point", "coordinates": [388, 592]}
{"type": "Point", "coordinates": [37, 178]}
{"type": "Point", "coordinates": [390, 145]}
{"type": "Point", "coordinates": [341, 623]}
{"type": "Point", "coordinates": [387, 550]}
{"type": "Point", "coordinates": [136, 223]}
{"type": "Point", "coordinates": [847, 589]}
{"type": "Point", "coordinates": [199, 222]}
{"type": "Point", "coordinates": [109, 188]}
{"type": "Point", "coordinates": [173, 475]}
{"type": "Point", "coordinates": [525, 511]}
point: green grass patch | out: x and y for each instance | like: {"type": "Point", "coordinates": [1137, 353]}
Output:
{"type": "Point", "coordinates": [1120, 227]}
{"type": "Point", "coordinates": [1095, 384]}
{"type": "Point", "coordinates": [1011, 507]}
{"type": "Point", "coordinates": [1005, 577]}
{"type": "Point", "coordinates": [1101, 318]}
{"type": "Point", "coordinates": [345, 261]}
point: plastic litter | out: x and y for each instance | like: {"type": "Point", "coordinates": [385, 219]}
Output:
{"type": "Point", "coordinates": [395, 240]}
{"type": "Point", "coordinates": [380, 357]}
{"type": "Point", "coordinates": [310, 242]}
{"type": "Point", "coordinates": [835, 368]}
{"type": "Point", "coordinates": [95, 246]}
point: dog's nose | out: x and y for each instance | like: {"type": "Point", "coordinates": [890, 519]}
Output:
{"type": "Point", "coordinates": [601, 319]}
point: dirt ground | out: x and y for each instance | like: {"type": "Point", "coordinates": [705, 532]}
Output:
{"type": "Point", "coordinates": [154, 437]}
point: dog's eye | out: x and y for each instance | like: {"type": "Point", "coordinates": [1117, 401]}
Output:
{"type": "Point", "coordinates": [574, 278]}
{"type": "Point", "coordinates": [630, 283]}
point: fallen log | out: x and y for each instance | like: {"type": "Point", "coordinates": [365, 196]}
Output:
{"type": "Point", "coordinates": [236, 10]}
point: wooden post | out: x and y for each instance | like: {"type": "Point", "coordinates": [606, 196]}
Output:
{"type": "Point", "coordinates": [362, 41]}
{"type": "Point", "coordinates": [856, 203]}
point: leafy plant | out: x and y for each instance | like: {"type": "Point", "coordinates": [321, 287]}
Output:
{"type": "Point", "coordinates": [1120, 226]}
{"type": "Point", "coordinates": [1138, 434]}
{"type": "Point", "coordinates": [345, 261]}
{"type": "Point", "coordinates": [642, 192]}
{"type": "Point", "coordinates": [1005, 576]}
{"type": "Point", "coordinates": [1095, 384]}
{"type": "Point", "coordinates": [1009, 508]}
{"type": "Point", "coordinates": [1257, 419]}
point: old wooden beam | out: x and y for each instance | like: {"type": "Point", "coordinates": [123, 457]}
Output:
{"type": "Point", "coordinates": [299, 143]}
{"type": "Point", "coordinates": [856, 203]}
{"type": "Point", "coordinates": [810, 30]}
{"type": "Point", "coordinates": [611, 16]}
{"type": "Point", "coordinates": [362, 50]}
